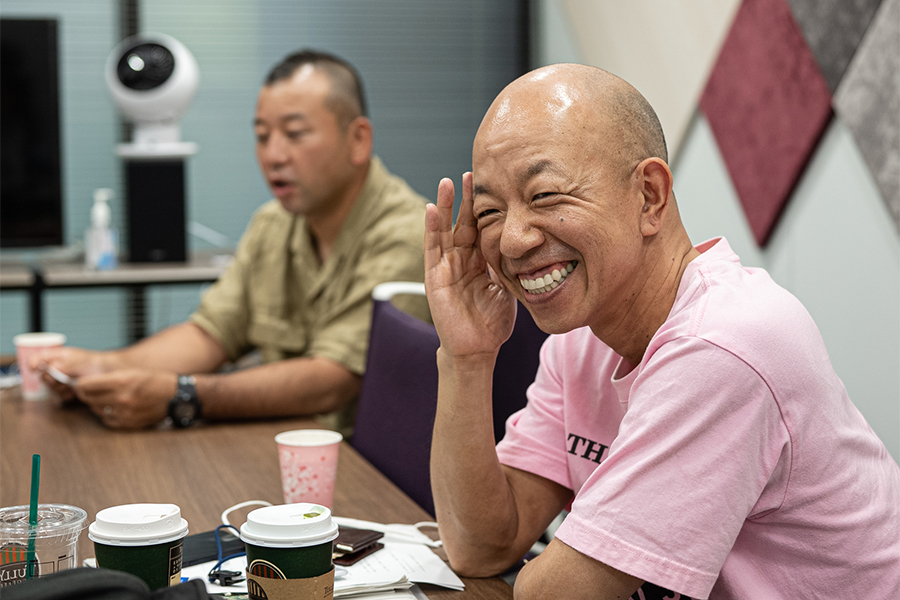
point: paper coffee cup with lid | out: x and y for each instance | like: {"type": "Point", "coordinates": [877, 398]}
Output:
{"type": "Point", "coordinates": [289, 550]}
{"type": "Point", "coordinates": [141, 539]}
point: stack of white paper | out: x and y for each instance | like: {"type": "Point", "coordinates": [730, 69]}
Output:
{"type": "Point", "coordinates": [365, 584]}
{"type": "Point", "coordinates": [418, 563]}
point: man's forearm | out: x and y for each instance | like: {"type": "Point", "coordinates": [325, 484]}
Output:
{"type": "Point", "coordinates": [182, 348]}
{"type": "Point", "coordinates": [561, 572]}
{"type": "Point", "coordinates": [293, 387]}
{"type": "Point", "coordinates": [473, 503]}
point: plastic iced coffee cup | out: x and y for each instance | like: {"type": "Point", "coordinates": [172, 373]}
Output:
{"type": "Point", "coordinates": [309, 460]}
{"type": "Point", "coordinates": [142, 539]}
{"type": "Point", "coordinates": [289, 551]}
{"type": "Point", "coordinates": [55, 540]}
{"type": "Point", "coordinates": [27, 345]}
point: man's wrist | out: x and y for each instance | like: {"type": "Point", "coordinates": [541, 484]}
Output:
{"type": "Point", "coordinates": [468, 363]}
{"type": "Point", "coordinates": [111, 360]}
{"type": "Point", "coordinates": [185, 407]}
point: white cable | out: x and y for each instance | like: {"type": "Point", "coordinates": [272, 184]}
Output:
{"type": "Point", "coordinates": [394, 532]}
{"type": "Point", "coordinates": [231, 509]}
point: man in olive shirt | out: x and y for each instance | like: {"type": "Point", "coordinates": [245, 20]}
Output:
{"type": "Point", "coordinates": [299, 289]}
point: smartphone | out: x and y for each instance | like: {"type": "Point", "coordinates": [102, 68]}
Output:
{"type": "Point", "coordinates": [57, 374]}
{"type": "Point", "coordinates": [346, 560]}
{"type": "Point", "coordinates": [201, 547]}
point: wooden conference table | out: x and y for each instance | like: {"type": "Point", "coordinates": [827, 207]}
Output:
{"type": "Point", "coordinates": [204, 470]}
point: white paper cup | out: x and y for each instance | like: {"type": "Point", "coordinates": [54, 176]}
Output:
{"type": "Point", "coordinates": [309, 460]}
{"type": "Point", "coordinates": [27, 345]}
{"type": "Point", "coordinates": [145, 540]}
{"type": "Point", "coordinates": [289, 541]}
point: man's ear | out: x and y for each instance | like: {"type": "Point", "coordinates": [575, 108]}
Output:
{"type": "Point", "coordinates": [359, 133]}
{"type": "Point", "coordinates": [654, 179]}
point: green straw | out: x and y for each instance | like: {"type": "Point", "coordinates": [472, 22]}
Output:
{"type": "Point", "coordinates": [33, 513]}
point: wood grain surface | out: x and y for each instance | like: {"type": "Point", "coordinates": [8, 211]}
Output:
{"type": "Point", "coordinates": [204, 470]}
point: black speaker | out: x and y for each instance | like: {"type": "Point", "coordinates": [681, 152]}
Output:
{"type": "Point", "coordinates": [156, 210]}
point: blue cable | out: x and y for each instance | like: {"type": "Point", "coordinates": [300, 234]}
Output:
{"type": "Point", "coordinates": [225, 577]}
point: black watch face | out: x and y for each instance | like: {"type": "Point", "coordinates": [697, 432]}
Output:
{"type": "Point", "coordinates": [183, 413]}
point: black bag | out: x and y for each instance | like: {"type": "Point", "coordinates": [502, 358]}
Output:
{"type": "Point", "coordinates": [100, 584]}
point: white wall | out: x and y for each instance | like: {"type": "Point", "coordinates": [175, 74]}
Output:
{"type": "Point", "coordinates": [835, 247]}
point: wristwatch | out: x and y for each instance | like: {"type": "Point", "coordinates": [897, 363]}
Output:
{"type": "Point", "coordinates": [185, 408]}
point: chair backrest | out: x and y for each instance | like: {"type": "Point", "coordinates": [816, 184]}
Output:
{"type": "Point", "coordinates": [517, 364]}
{"type": "Point", "coordinates": [398, 398]}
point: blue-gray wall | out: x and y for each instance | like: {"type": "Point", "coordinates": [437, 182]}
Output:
{"type": "Point", "coordinates": [430, 70]}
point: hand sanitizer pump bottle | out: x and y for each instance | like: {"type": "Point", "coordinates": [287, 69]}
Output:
{"type": "Point", "coordinates": [100, 242]}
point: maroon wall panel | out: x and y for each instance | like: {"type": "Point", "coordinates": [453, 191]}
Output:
{"type": "Point", "coordinates": [767, 104]}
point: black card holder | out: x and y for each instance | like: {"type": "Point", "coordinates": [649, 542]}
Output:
{"type": "Point", "coordinates": [351, 540]}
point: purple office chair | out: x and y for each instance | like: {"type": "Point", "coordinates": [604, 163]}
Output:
{"type": "Point", "coordinates": [517, 364]}
{"type": "Point", "coordinates": [398, 398]}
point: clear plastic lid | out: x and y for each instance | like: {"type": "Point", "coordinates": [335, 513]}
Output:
{"type": "Point", "coordinates": [308, 437]}
{"type": "Point", "coordinates": [289, 526]}
{"type": "Point", "coordinates": [53, 520]}
{"type": "Point", "coordinates": [138, 525]}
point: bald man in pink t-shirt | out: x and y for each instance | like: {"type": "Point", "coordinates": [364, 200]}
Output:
{"type": "Point", "coordinates": [730, 453]}
{"type": "Point", "coordinates": [686, 408]}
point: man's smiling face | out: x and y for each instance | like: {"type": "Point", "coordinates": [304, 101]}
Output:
{"type": "Point", "coordinates": [558, 213]}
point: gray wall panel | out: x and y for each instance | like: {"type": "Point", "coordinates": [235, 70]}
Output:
{"type": "Point", "coordinates": [868, 101]}
{"type": "Point", "coordinates": [833, 30]}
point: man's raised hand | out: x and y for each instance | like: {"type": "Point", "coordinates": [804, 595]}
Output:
{"type": "Point", "coordinates": [473, 314]}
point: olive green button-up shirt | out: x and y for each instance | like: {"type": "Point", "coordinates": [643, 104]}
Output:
{"type": "Point", "coordinates": [277, 298]}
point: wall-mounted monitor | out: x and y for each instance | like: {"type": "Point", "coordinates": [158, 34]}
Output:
{"type": "Point", "coordinates": [30, 167]}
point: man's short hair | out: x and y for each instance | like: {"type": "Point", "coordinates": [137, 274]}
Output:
{"type": "Point", "coordinates": [346, 99]}
{"type": "Point", "coordinates": [634, 108]}
{"type": "Point", "coordinates": [640, 132]}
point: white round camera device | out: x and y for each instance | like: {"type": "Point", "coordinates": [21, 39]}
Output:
{"type": "Point", "coordinates": [153, 78]}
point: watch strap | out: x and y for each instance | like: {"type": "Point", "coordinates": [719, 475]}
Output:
{"type": "Point", "coordinates": [188, 385]}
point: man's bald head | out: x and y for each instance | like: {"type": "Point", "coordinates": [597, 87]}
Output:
{"type": "Point", "coordinates": [567, 96]}
{"type": "Point", "coordinates": [569, 176]}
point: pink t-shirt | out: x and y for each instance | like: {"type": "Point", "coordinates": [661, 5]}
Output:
{"type": "Point", "coordinates": [730, 463]}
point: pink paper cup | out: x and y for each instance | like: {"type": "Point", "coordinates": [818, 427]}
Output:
{"type": "Point", "coordinates": [27, 345]}
{"type": "Point", "coordinates": [309, 459]}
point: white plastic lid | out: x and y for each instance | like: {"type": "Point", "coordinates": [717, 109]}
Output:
{"type": "Point", "coordinates": [289, 526]}
{"type": "Point", "coordinates": [138, 525]}
{"type": "Point", "coordinates": [39, 340]}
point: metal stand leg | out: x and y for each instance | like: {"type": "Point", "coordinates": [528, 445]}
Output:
{"type": "Point", "coordinates": [35, 300]}
{"type": "Point", "coordinates": [136, 315]}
